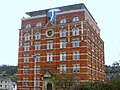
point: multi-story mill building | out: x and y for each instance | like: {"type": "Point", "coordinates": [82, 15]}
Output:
{"type": "Point", "coordinates": [61, 40]}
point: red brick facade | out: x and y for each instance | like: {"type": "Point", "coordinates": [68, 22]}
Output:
{"type": "Point", "coordinates": [79, 52]}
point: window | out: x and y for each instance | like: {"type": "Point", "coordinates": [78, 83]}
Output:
{"type": "Point", "coordinates": [63, 21]}
{"type": "Point", "coordinates": [62, 33]}
{"type": "Point", "coordinates": [75, 31]}
{"type": "Point", "coordinates": [5, 86]}
{"type": "Point", "coordinates": [76, 56]}
{"type": "Point", "coordinates": [62, 44]}
{"type": "Point", "coordinates": [27, 37]}
{"type": "Point", "coordinates": [38, 58]}
{"type": "Point", "coordinates": [75, 43]}
{"type": "Point", "coordinates": [25, 82]}
{"type": "Point", "coordinates": [50, 45]}
{"type": "Point", "coordinates": [26, 58]}
{"type": "Point", "coordinates": [37, 36]}
{"type": "Point", "coordinates": [28, 25]}
{"type": "Point", "coordinates": [92, 37]}
{"type": "Point", "coordinates": [88, 33]}
{"type": "Point", "coordinates": [26, 47]}
{"type": "Point", "coordinates": [39, 24]}
{"type": "Point", "coordinates": [37, 46]}
{"type": "Point", "coordinates": [20, 43]}
{"type": "Point", "coordinates": [49, 57]}
{"type": "Point", "coordinates": [52, 16]}
{"type": "Point", "coordinates": [62, 56]}
{"type": "Point", "coordinates": [75, 19]}
{"type": "Point", "coordinates": [25, 70]}
{"type": "Point", "coordinates": [62, 68]}
{"type": "Point", "coordinates": [76, 68]}
{"type": "Point", "coordinates": [38, 70]}
{"type": "Point", "coordinates": [38, 82]}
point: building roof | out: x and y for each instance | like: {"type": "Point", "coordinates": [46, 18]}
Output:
{"type": "Point", "coordinates": [5, 79]}
{"type": "Point", "coordinates": [62, 8]}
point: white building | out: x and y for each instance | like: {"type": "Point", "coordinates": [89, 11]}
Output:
{"type": "Point", "coordinates": [7, 84]}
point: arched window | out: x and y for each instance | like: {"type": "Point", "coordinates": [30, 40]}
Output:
{"type": "Point", "coordinates": [75, 31]}
{"type": "Point", "coordinates": [39, 24]}
{"type": "Point", "coordinates": [63, 20]}
{"type": "Point", "coordinates": [62, 33]}
{"type": "Point", "coordinates": [38, 36]}
{"type": "Point", "coordinates": [28, 25]}
{"type": "Point", "coordinates": [27, 37]}
{"type": "Point", "coordinates": [75, 19]}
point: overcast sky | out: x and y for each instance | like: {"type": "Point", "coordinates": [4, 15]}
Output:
{"type": "Point", "coordinates": [105, 12]}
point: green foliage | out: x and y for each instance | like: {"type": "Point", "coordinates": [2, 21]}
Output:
{"type": "Point", "coordinates": [65, 82]}
{"type": "Point", "coordinates": [113, 84]}
{"type": "Point", "coordinates": [9, 72]}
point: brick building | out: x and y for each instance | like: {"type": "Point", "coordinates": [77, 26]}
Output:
{"type": "Point", "coordinates": [61, 40]}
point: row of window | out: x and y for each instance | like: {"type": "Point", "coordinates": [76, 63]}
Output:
{"type": "Point", "coordinates": [39, 24]}
{"type": "Point", "coordinates": [26, 81]}
{"type": "Point", "coordinates": [49, 45]}
{"type": "Point", "coordinates": [4, 81]}
{"type": "Point", "coordinates": [76, 69]}
{"type": "Point", "coordinates": [75, 32]}
{"type": "Point", "coordinates": [49, 57]}
{"type": "Point", "coordinates": [5, 86]}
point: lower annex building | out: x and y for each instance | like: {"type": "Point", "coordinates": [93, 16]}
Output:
{"type": "Point", "coordinates": [61, 40]}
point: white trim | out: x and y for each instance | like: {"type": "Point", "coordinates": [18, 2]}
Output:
{"type": "Point", "coordinates": [38, 16]}
{"type": "Point", "coordinates": [70, 11]}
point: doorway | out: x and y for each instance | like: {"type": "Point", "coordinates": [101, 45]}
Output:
{"type": "Point", "coordinates": [49, 86]}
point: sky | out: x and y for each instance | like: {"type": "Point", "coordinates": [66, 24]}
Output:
{"type": "Point", "coordinates": [105, 12]}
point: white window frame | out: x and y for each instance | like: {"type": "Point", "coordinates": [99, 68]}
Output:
{"type": "Point", "coordinates": [75, 19]}
{"type": "Point", "coordinates": [38, 70]}
{"type": "Point", "coordinates": [28, 25]}
{"type": "Point", "coordinates": [26, 59]}
{"type": "Point", "coordinates": [27, 37]}
{"type": "Point", "coordinates": [39, 24]}
{"type": "Point", "coordinates": [25, 70]}
{"type": "Point", "coordinates": [62, 44]}
{"type": "Point", "coordinates": [25, 81]}
{"type": "Point", "coordinates": [76, 55]}
{"type": "Point", "coordinates": [75, 31]}
{"type": "Point", "coordinates": [38, 58]}
{"type": "Point", "coordinates": [37, 46]}
{"type": "Point", "coordinates": [76, 42]}
{"type": "Point", "coordinates": [63, 68]}
{"type": "Point", "coordinates": [26, 46]}
{"type": "Point", "coordinates": [38, 82]}
{"type": "Point", "coordinates": [63, 20]}
{"type": "Point", "coordinates": [49, 45]}
{"type": "Point", "coordinates": [62, 56]}
{"type": "Point", "coordinates": [37, 36]}
{"type": "Point", "coordinates": [63, 33]}
{"type": "Point", "coordinates": [49, 57]}
{"type": "Point", "coordinates": [76, 68]}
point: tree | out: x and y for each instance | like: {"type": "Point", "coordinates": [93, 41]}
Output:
{"type": "Point", "coordinates": [115, 83]}
{"type": "Point", "coordinates": [64, 82]}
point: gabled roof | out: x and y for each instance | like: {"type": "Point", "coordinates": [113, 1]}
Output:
{"type": "Point", "coordinates": [5, 79]}
{"type": "Point", "coordinates": [49, 23]}
{"type": "Point", "coordinates": [48, 74]}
